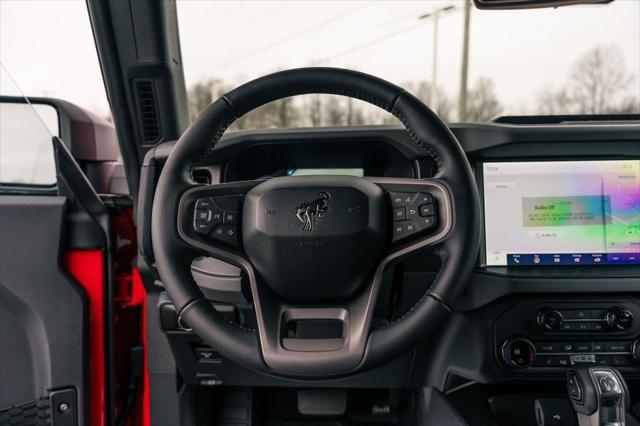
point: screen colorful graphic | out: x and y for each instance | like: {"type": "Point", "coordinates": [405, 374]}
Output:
{"type": "Point", "coordinates": [562, 212]}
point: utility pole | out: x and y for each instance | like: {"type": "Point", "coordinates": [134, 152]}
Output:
{"type": "Point", "coordinates": [434, 72]}
{"type": "Point", "coordinates": [462, 101]}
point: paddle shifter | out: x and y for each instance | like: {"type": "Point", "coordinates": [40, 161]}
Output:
{"type": "Point", "coordinates": [599, 395]}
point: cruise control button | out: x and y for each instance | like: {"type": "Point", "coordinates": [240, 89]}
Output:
{"type": "Point", "coordinates": [426, 210]}
{"type": "Point", "coordinates": [400, 213]}
{"type": "Point", "coordinates": [201, 227]}
{"type": "Point", "coordinates": [412, 212]}
{"type": "Point", "coordinates": [204, 203]}
{"type": "Point", "coordinates": [202, 215]}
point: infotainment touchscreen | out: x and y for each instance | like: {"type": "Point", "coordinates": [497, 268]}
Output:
{"type": "Point", "coordinates": [562, 212]}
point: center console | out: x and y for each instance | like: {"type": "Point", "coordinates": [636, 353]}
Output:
{"type": "Point", "coordinates": [538, 336]}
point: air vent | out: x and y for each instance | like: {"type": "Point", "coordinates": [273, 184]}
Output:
{"type": "Point", "coordinates": [201, 175]}
{"type": "Point", "coordinates": [148, 111]}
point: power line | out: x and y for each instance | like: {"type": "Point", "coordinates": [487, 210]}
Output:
{"type": "Point", "coordinates": [370, 43]}
{"type": "Point", "coordinates": [268, 46]}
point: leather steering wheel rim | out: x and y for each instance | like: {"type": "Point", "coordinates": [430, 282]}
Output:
{"type": "Point", "coordinates": [457, 249]}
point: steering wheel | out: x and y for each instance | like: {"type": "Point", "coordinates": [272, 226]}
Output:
{"type": "Point", "coordinates": [314, 248]}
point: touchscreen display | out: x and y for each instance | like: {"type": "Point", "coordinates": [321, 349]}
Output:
{"type": "Point", "coordinates": [562, 212]}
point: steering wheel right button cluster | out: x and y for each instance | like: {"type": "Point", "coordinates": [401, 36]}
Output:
{"type": "Point", "coordinates": [413, 212]}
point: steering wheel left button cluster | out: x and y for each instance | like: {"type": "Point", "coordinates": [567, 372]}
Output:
{"type": "Point", "coordinates": [217, 218]}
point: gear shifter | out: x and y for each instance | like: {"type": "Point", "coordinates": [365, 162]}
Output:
{"type": "Point", "coordinates": [599, 395]}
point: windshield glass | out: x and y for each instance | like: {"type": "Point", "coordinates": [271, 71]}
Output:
{"type": "Point", "coordinates": [570, 60]}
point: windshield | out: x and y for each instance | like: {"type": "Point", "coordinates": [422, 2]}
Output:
{"type": "Point", "coordinates": [569, 60]}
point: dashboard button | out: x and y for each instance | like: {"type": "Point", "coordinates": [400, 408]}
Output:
{"type": "Point", "coordinates": [583, 326]}
{"type": "Point", "coordinates": [595, 326]}
{"type": "Point", "coordinates": [597, 347]}
{"type": "Point", "coordinates": [545, 347]}
{"type": "Point", "coordinates": [582, 347]}
{"type": "Point", "coordinates": [568, 326]}
{"type": "Point", "coordinates": [566, 347]}
{"type": "Point", "coordinates": [617, 347]}
{"type": "Point", "coordinates": [603, 360]}
{"type": "Point", "coordinates": [577, 314]}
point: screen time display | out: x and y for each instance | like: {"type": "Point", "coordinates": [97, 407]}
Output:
{"type": "Point", "coordinates": [562, 212]}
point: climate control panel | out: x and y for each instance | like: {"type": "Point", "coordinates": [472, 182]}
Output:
{"type": "Point", "coordinates": [615, 318]}
{"type": "Point", "coordinates": [520, 352]}
{"type": "Point", "coordinates": [539, 335]}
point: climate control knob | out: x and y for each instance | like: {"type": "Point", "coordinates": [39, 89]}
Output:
{"type": "Point", "coordinates": [635, 350]}
{"type": "Point", "coordinates": [619, 319]}
{"type": "Point", "coordinates": [518, 352]}
{"type": "Point", "coordinates": [549, 319]}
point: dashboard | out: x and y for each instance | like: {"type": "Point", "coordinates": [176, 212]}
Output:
{"type": "Point", "coordinates": [552, 193]}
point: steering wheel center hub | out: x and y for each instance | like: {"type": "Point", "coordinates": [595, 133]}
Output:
{"type": "Point", "coordinates": [315, 237]}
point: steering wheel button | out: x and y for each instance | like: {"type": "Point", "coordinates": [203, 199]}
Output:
{"type": "Point", "coordinates": [230, 218]}
{"type": "Point", "coordinates": [403, 199]}
{"type": "Point", "coordinates": [427, 222]}
{"type": "Point", "coordinates": [201, 227]}
{"type": "Point", "coordinates": [411, 227]}
{"type": "Point", "coordinates": [400, 213]}
{"type": "Point", "coordinates": [202, 215]}
{"type": "Point", "coordinates": [204, 203]}
{"type": "Point", "coordinates": [216, 217]}
{"type": "Point", "coordinates": [425, 198]}
{"type": "Point", "coordinates": [412, 212]}
{"type": "Point", "coordinates": [426, 210]}
{"type": "Point", "coordinates": [399, 230]}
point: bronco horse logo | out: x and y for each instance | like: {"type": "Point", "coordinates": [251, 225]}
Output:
{"type": "Point", "coordinates": [306, 211]}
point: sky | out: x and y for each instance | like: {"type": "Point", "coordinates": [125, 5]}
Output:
{"type": "Point", "coordinates": [48, 49]}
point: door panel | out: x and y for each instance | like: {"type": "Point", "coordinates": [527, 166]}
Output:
{"type": "Point", "coordinates": [43, 309]}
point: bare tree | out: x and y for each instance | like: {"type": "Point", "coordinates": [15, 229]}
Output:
{"type": "Point", "coordinates": [422, 90]}
{"type": "Point", "coordinates": [482, 102]}
{"type": "Point", "coordinates": [598, 84]}
{"type": "Point", "coordinates": [598, 79]}
{"type": "Point", "coordinates": [202, 94]}
{"type": "Point", "coordinates": [554, 102]}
